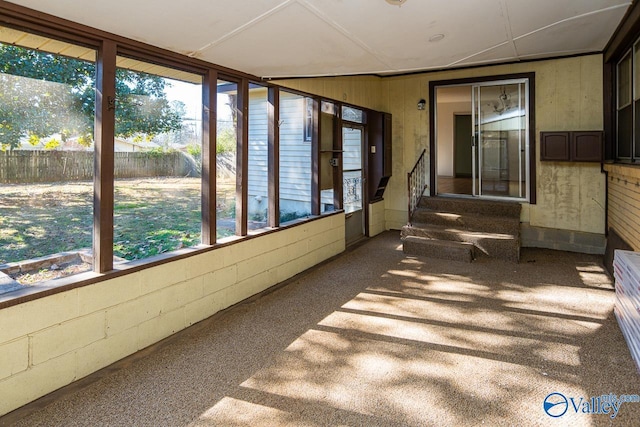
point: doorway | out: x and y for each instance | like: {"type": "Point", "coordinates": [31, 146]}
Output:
{"type": "Point", "coordinates": [481, 139]}
{"type": "Point", "coordinates": [353, 181]}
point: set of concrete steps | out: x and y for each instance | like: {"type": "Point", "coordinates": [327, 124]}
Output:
{"type": "Point", "coordinates": [462, 229]}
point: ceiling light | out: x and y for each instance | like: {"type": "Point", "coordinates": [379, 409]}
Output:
{"type": "Point", "coordinates": [436, 38]}
{"type": "Point", "coordinates": [396, 2]}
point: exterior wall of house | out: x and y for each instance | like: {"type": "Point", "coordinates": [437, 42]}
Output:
{"type": "Point", "coordinates": [295, 155]}
{"type": "Point", "coordinates": [570, 196]}
{"type": "Point", "coordinates": [624, 202]}
{"type": "Point", "coordinates": [258, 188]}
{"type": "Point", "coordinates": [50, 342]}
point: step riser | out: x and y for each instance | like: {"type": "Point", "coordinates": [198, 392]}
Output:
{"type": "Point", "coordinates": [436, 249]}
{"type": "Point", "coordinates": [473, 206]}
{"type": "Point", "coordinates": [468, 222]}
{"type": "Point", "coordinates": [489, 227]}
{"type": "Point", "coordinates": [500, 248]}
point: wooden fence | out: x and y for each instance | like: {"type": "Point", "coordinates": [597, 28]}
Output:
{"type": "Point", "coordinates": [26, 166]}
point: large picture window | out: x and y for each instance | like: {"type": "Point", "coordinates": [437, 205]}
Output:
{"type": "Point", "coordinates": [46, 159]}
{"type": "Point", "coordinates": [295, 159]}
{"type": "Point", "coordinates": [157, 204]}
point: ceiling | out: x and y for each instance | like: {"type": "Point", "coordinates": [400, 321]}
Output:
{"type": "Point", "coordinates": [302, 38]}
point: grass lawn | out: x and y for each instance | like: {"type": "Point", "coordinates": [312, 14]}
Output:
{"type": "Point", "coordinates": [151, 216]}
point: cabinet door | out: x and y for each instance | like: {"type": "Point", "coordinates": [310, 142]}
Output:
{"type": "Point", "coordinates": [554, 146]}
{"type": "Point", "coordinates": [586, 146]}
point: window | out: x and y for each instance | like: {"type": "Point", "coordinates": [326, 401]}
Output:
{"type": "Point", "coordinates": [285, 172]}
{"type": "Point", "coordinates": [258, 173]}
{"type": "Point", "coordinates": [628, 106]}
{"type": "Point", "coordinates": [46, 159]}
{"type": "Point", "coordinates": [157, 160]}
{"type": "Point", "coordinates": [308, 120]}
{"type": "Point", "coordinates": [625, 108]}
{"type": "Point", "coordinates": [352, 114]}
{"type": "Point", "coordinates": [295, 159]}
{"type": "Point", "coordinates": [226, 149]}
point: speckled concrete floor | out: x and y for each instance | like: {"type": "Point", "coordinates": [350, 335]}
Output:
{"type": "Point", "coordinates": [374, 338]}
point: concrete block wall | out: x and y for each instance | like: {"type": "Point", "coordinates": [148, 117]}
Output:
{"type": "Point", "coordinates": [50, 342]}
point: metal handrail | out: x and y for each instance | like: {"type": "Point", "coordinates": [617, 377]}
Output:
{"type": "Point", "coordinates": [416, 183]}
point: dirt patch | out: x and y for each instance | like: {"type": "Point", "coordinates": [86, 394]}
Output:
{"type": "Point", "coordinates": [55, 271]}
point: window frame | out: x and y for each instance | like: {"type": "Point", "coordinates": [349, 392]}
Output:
{"type": "Point", "coordinates": [108, 47]}
{"type": "Point", "coordinates": [628, 106]}
{"type": "Point", "coordinates": [625, 40]}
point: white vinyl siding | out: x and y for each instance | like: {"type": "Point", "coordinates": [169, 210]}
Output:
{"type": "Point", "coordinates": [258, 144]}
{"type": "Point", "coordinates": [295, 156]}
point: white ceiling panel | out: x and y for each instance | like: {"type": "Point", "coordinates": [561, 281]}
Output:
{"type": "Point", "coordinates": [572, 36]}
{"type": "Point", "coordinates": [309, 44]}
{"type": "Point", "coordinates": [286, 38]}
{"type": "Point", "coordinates": [183, 26]}
{"type": "Point", "coordinates": [400, 35]}
{"type": "Point", "coordinates": [526, 16]}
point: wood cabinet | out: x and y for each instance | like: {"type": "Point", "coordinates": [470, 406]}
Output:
{"type": "Point", "coordinates": [571, 146]}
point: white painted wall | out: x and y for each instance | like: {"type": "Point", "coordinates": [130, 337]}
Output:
{"type": "Point", "coordinates": [445, 132]}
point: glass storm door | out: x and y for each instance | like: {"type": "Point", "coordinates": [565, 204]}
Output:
{"type": "Point", "coordinates": [352, 182]}
{"type": "Point", "coordinates": [501, 139]}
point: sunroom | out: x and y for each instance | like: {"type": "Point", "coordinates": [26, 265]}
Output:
{"type": "Point", "coordinates": [162, 164]}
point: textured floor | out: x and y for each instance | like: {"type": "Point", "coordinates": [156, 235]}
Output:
{"type": "Point", "coordinates": [376, 338]}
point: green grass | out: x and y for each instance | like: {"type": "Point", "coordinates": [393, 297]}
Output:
{"type": "Point", "coordinates": [151, 216]}
{"type": "Point", "coordinates": [38, 220]}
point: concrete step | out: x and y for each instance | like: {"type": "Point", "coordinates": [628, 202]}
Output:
{"type": "Point", "coordinates": [496, 245]}
{"type": "Point", "coordinates": [440, 249]}
{"type": "Point", "coordinates": [471, 206]}
{"type": "Point", "coordinates": [467, 221]}
{"type": "Point", "coordinates": [492, 227]}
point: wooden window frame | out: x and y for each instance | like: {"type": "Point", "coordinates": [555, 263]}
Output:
{"type": "Point", "coordinates": [628, 107]}
{"type": "Point", "coordinates": [108, 46]}
{"type": "Point", "coordinates": [622, 43]}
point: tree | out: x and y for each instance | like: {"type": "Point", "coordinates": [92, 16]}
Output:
{"type": "Point", "coordinates": [42, 94]}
